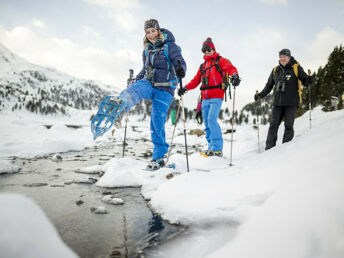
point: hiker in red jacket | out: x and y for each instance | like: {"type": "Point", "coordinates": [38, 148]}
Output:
{"type": "Point", "coordinates": [213, 74]}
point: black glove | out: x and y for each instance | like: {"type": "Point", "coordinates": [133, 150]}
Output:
{"type": "Point", "coordinates": [180, 72]}
{"type": "Point", "coordinates": [256, 97]}
{"type": "Point", "coordinates": [235, 80]}
{"type": "Point", "coordinates": [182, 91]}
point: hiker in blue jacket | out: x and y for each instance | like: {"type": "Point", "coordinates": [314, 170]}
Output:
{"type": "Point", "coordinates": [157, 82]}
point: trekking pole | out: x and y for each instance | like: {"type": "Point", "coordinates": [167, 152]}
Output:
{"type": "Point", "coordinates": [258, 107]}
{"type": "Point", "coordinates": [131, 76]}
{"type": "Point", "coordinates": [309, 102]}
{"type": "Point", "coordinates": [183, 112]}
{"type": "Point", "coordinates": [174, 129]}
{"type": "Point", "coordinates": [230, 163]}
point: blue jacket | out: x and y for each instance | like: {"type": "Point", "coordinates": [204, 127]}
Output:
{"type": "Point", "coordinates": [163, 72]}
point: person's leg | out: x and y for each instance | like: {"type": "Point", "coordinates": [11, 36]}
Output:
{"type": "Point", "coordinates": [276, 119]}
{"type": "Point", "coordinates": [141, 89]}
{"type": "Point", "coordinates": [289, 115]}
{"type": "Point", "coordinates": [215, 129]}
{"type": "Point", "coordinates": [161, 101]}
{"type": "Point", "coordinates": [205, 114]}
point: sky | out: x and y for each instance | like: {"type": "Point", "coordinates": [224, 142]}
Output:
{"type": "Point", "coordinates": [102, 39]}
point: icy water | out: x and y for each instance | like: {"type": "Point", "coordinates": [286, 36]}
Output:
{"type": "Point", "coordinates": [124, 232]}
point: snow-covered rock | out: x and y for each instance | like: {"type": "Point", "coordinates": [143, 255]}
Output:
{"type": "Point", "coordinates": [7, 167]}
{"type": "Point", "coordinates": [111, 199]}
{"type": "Point", "coordinates": [91, 169]}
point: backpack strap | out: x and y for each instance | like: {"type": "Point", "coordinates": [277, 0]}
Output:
{"type": "Point", "coordinates": [296, 71]}
{"type": "Point", "coordinates": [275, 68]}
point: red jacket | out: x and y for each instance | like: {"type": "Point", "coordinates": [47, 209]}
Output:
{"type": "Point", "coordinates": [214, 77]}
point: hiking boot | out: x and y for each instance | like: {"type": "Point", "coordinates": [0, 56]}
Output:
{"type": "Point", "coordinates": [156, 164]}
{"type": "Point", "coordinates": [218, 153]}
{"type": "Point", "coordinates": [209, 153]}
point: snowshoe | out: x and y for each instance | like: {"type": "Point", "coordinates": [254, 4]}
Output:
{"type": "Point", "coordinates": [110, 112]}
{"type": "Point", "coordinates": [210, 153]}
{"type": "Point", "coordinates": [207, 153]}
{"type": "Point", "coordinates": [155, 165]}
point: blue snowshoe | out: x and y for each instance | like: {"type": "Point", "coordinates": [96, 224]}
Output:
{"type": "Point", "coordinates": [110, 112]}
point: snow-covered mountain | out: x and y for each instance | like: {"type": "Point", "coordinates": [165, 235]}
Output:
{"type": "Point", "coordinates": [38, 89]}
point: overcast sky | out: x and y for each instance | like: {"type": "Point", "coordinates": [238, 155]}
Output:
{"type": "Point", "coordinates": [102, 39]}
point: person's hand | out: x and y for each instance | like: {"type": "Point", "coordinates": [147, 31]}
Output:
{"type": "Point", "coordinates": [256, 97]}
{"type": "Point", "coordinates": [235, 80]}
{"type": "Point", "coordinates": [180, 72]}
{"type": "Point", "coordinates": [182, 91]}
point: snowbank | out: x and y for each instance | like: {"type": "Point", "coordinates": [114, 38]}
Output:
{"type": "Point", "coordinates": [287, 199]}
{"type": "Point", "coordinates": [8, 167]}
{"type": "Point", "coordinates": [26, 231]}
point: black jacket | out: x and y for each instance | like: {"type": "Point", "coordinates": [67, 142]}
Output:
{"type": "Point", "coordinates": [286, 84]}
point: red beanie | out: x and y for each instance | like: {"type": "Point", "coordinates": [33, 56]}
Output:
{"type": "Point", "coordinates": [210, 43]}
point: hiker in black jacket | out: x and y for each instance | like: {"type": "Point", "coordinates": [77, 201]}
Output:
{"type": "Point", "coordinates": [287, 78]}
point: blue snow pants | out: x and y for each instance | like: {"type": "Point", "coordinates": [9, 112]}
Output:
{"type": "Point", "coordinates": [161, 101]}
{"type": "Point", "coordinates": [210, 112]}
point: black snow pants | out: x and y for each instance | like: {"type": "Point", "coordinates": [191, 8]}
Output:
{"type": "Point", "coordinates": [278, 113]}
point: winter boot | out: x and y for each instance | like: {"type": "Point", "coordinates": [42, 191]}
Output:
{"type": "Point", "coordinates": [218, 153]}
{"type": "Point", "coordinates": [156, 164]}
{"type": "Point", "coordinates": [207, 153]}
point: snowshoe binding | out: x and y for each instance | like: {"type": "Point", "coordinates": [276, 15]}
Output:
{"type": "Point", "coordinates": [155, 165]}
{"type": "Point", "coordinates": [110, 112]}
{"type": "Point", "coordinates": [210, 153]}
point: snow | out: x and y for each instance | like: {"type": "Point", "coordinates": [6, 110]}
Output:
{"type": "Point", "coordinates": [287, 200]}
{"type": "Point", "coordinates": [26, 231]}
{"type": "Point", "coordinates": [96, 169]}
{"type": "Point", "coordinates": [7, 167]}
{"type": "Point", "coordinates": [26, 134]}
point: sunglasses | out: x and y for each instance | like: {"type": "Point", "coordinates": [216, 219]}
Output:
{"type": "Point", "coordinates": [206, 48]}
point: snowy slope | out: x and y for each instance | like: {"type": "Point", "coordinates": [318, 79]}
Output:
{"type": "Point", "coordinates": [287, 200]}
{"type": "Point", "coordinates": [25, 86]}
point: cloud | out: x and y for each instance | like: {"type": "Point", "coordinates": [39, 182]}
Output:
{"type": "Point", "coordinates": [321, 46]}
{"type": "Point", "coordinates": [90, 32]}
{"type": "Point", "coordinates": [38, 23]}
{"type": "Point", "coordinates": [124, 13]}
{"type": "Point", "coordinates": [271, 2]}
{"type": "Point", "coordinates": [69, 57]}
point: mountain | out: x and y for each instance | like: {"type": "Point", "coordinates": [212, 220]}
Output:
{"type": "Point", "coordinates": [42, 90]}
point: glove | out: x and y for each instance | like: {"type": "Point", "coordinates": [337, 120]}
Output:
{"type": "Point", "coordinates": [182, 91]}
{"type": "Point", "coordinates": [235, 80]}
{"type": "Point", "coordinates": [180, 72]}
{"type": "Point", "coordinates": [256, 97]}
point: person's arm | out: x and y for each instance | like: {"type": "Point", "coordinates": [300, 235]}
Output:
{"type": "Point", "coordinates": [175, 54]}
{"type": "Point", "coordinates": [195, 81]}
{"type": "Point", "coordinates": [141, 74]}
{"type": "Point", "coordinates": [304, 78]}
{"type": "Point", "coordinates": [227, 66]}
{"type": "Point", "coordinates": [268, 87]}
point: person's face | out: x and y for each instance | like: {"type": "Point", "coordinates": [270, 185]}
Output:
{"type": "Point", "coordinates": [207, 50]}
{"type": "Point", "coordinates": [284, 60]}
{"type": "Point", "coordinates": [209, 53]}
{"type": "Point", "coordinates": [152, 35]}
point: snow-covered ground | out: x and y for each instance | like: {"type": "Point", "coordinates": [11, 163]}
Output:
{"type": "Point", "coordinates": [26, 231]}
{"type": "Point", "coordinates": [287, 200]}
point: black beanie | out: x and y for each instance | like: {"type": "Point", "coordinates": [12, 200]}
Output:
{"type": "Point", "coordinates": [285, 52]}
{"type": "Point", "coordinates": [152, 23]}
